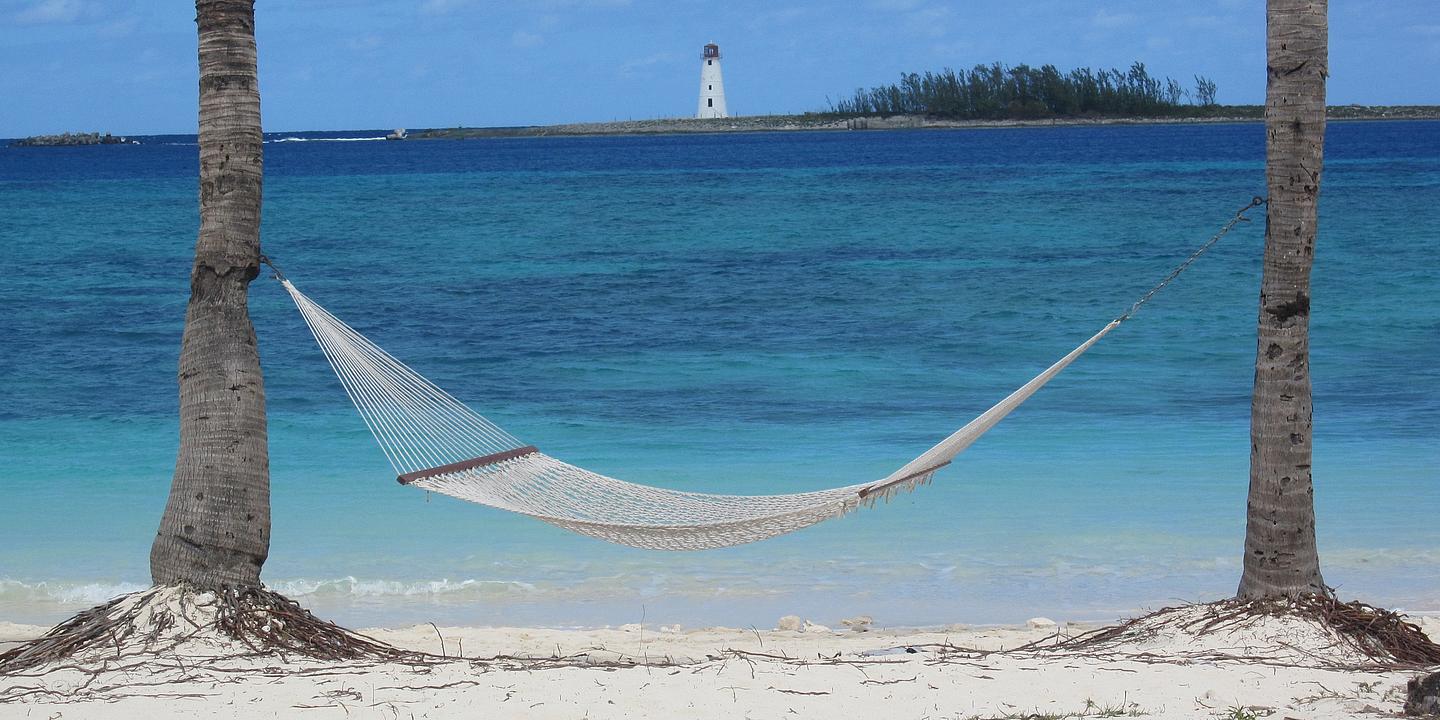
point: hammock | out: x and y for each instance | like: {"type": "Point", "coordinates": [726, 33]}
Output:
{"type": "Point", "coordinates": [435, 442]}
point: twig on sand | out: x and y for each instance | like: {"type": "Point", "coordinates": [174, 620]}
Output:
{"type": "Point", "coordinates": [442, 639]}
{"type": "Point", "coordinates": [889, 682]}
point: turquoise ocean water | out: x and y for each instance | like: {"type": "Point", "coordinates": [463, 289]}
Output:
{"type": "Point", "coordinates": [739, 313]}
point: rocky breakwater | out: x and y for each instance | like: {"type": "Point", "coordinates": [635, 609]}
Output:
{"type": "Point", "coordinates": [72, 139]}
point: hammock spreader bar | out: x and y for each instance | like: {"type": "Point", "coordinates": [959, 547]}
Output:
{"type": "Point", "coordinates": [881, 486]}
{"type": "Point", "coordinates": [463, 465]}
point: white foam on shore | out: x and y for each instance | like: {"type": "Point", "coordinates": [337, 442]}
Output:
{"type": "Point", "coordinates": [48, 592]}
{"type": "Point", "coordinates": [350, 586]}
{"type": "Point", "coordinates": [16, 593]}
{"type": "Point", "coordinates": [301, 139]}
{"type": "Point", "coordinates": [578, 601]}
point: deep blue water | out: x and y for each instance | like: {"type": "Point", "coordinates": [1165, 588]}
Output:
{"type": "Point", "coordinates": [739, 313]}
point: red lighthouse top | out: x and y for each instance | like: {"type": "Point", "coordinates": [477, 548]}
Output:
{"type": "Point", "coordinates": [712, 51]}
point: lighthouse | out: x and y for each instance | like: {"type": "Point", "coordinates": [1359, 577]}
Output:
{"type": "Point", "coordinates": [712, 86]}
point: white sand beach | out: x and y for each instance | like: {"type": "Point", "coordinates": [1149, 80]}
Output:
{"type": "Point", "coordinates": [1282, 668]}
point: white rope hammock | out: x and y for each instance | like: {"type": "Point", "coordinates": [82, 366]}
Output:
{"type": "Point", "coordinates": [435, 442]}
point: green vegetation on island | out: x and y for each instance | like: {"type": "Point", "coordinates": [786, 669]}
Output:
{"type": "Point", "coordinates": [70, 139]}
{"type": "Point", "coordinates": [1022, 92]}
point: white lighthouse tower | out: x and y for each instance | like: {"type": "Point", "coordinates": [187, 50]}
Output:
{"type": "Point", "coordinates": [712, 86]}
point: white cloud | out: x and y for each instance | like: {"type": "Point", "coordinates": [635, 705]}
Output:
{"type": "Point", "coordinates": [919, 18]}
{"type": "Point", "coordinates": [636, 66]}
{"type": "Point", "coordinates": [153, 65]}
{"type": "Point", "coordinates": [523, 39]}
{"type": "Point", "coordinates": [365, 43]}
{"type": "Point", "coordinates": [52, 11]}
{"type": "Point", "coordinates": [584, 3]}
{"type": "Point", "coordinates": [780, 16]}
{"type": "Point", "coordinates": [897, 4]}
{"type": "Point", "coordinates": [1105, 19]}
{"type": "Point", "coordinates": [441, 7]}
{"type": "Point", "coordinates": [951, 52]}
{"type": "Point", "coordinates": [118, 28]}
{"type": "Point", "coordinates": [1208, 22]}
{"type": "Point", "coordinates": [932, 21]}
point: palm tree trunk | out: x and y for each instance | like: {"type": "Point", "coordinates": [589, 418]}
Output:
{"type": "Point", "coordinates": [1280, 557]}
{"type": "Point", "coordinates": [216, 527]}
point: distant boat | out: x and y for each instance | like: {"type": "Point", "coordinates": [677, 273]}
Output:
{"type": "Point", "coordinates": [399, 134]}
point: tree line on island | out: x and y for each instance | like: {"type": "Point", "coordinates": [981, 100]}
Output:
{"type": "Point", "coordinates": [69, 139]}
{"type": "Point", "coordinates": [998, 92]}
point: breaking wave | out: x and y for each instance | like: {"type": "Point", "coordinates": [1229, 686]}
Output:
{"type": "Point", "coordinates": [63, 593]}
{"type": "Point", "coordinates": [305, 139]}
{"type": "Point", "coordinates": [382, 589]}
{"type": "Point", "coordinates": [53, 592]}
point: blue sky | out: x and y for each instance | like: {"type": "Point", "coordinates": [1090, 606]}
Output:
{"type": "Point", "coordinates": [129, 67]}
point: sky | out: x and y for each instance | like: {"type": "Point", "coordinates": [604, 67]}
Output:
{"type": "Point", "coordinates": [129, 66]}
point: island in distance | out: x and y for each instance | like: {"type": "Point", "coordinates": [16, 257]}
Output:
{"type": "Point", "coordinates": [71, 139]}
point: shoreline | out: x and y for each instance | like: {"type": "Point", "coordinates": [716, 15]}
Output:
{"type": "Point", "coordinates": [829, 123]}
{"type": "Point", "coordinates": [664, 591]}
{"type": "Point", "coordinates": [825, 122]}
{"type": "Point", "coordinates": [523, 640]}
{"type": "Point", "coordinates": [678, 643]}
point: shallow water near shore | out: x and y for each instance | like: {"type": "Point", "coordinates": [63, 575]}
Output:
{"type": "Point", "coordinates": [739, 313]}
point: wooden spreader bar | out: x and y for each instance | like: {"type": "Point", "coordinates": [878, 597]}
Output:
{"type": "Point", "coordinates": [470, 464]}
{"type": "Point", "coordinates": [872, 489]}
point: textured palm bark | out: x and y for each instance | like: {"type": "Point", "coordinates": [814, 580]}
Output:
{"type": "Point", "coordinates": [216, 527]}
{"type": "Point", "coordinates": [1280, 557]}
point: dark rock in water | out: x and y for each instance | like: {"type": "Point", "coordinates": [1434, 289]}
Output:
{"type": "Point", "coordinates": [1422, 696]}
{"type": "Point", "coordinates": [71, 139]}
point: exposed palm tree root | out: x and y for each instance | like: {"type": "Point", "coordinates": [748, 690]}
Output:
{"type": "Point", "coordinates": [267, 621]}
{"type": "Point", "coordinates": [1310, 630]}
{"type": "Point", "coordinates": [194, 626]}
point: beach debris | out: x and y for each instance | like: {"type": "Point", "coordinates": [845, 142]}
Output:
{"type": "Point", "coordinates": [1041, 623]}
{"type": "Point", "coordinates": [631, 627]}
{"type": "Point", "coordinates": [1422, 696]}
{"type": "Point", "coordinates": [897, 650]}
{"type": "Point", "coordinates": [177, 621]}
{"type": "Point", "coordinates": [859, 623]}
{"type": "Point", "coordinates": [791, 623]}
{"type": "Point", "coordinates": [672, 629]}
{"type": "Point", "coordinates": [811, 627]}
{"type": "Point", "coordinates": [1309, 631]}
